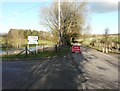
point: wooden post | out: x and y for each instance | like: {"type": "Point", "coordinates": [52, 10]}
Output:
{"type": "Point", "coordinates": [7, 49]}
{"type": "Point", "coordinates": [28, 48]}
{"type": "Point", "coordinates": [26, 51]}
{"type": "Point", "coordinates": [56, 48]}
{"type": "Point", "coordinates": [103, 49]}
{"type": "Point", "coordinates": [106, 50]}
{"type": "Point", "coordinates": [43, 48]}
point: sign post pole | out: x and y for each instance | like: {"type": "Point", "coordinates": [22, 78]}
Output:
{"type": "Point", "coordinates": [28, 48]}
{"type": "Point", "coordinates": [36, 48]}
{"type": "Point", "coordinates": [26, 51]}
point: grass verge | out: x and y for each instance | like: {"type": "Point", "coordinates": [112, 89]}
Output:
{"type": "Point", "coordinates": [63, 51]}
{"type": "Point", "coordinates": [100, 49]}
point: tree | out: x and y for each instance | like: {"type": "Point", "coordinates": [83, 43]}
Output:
{"type": "Point", "coordinates": [86, 31]}
{"type": "Point", "coordinates": [106, 40]}
{"type": "Point", "coordinates": [35, 33]}
{"type": "Point", "coordinates": [15, 38]}
{"type": "Point", "coordinates": [72, 19]}
{"type": "Point", "coordinates": [27, 33]}
{"type": "Point", "coordinates": [106, 34]}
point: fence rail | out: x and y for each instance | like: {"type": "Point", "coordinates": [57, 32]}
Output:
{"type": "Point", "coordinates": [40, 49]}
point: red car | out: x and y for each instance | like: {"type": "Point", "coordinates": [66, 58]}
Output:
{"type": "Point", "coordinates": [76, 48]}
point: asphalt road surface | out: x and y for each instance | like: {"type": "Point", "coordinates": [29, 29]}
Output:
{"type": "Point", "coordinates": [100, 69]}
{"type": "Point", "coordinates": [89, 70]}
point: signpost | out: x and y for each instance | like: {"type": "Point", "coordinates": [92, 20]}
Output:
{"type": "Point", "coordinates": [33, 40]}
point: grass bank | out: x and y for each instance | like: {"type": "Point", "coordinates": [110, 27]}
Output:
{"type": "Point", "coordinates": [63, 51]}
{"type": "Point", "coordinates": [100, 49]}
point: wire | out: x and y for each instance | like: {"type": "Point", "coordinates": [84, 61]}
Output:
{"type": "Point", "coordinates": [23, 11]}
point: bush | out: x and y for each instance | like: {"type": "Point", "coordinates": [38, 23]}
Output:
{"type": "Point", "coordinates": [92, 43]}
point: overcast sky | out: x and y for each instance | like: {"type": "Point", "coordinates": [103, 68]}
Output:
{"type": "Point", "coordinates": [25, 15]}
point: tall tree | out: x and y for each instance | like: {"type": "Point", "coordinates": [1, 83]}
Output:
{"type": "Point", "coordinates": [15, 38]}
{"type": "Point", "coordinates": [72, 19]}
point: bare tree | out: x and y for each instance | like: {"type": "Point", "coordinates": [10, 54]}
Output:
{"type": "Point", "coordinates": [106, 34]}
{"type": "Point", "coordinates": [72, 19]}
{"type": "Point", "coordinates": [105, 48]}
{"type": "Point", "coordinates": [86, 31]}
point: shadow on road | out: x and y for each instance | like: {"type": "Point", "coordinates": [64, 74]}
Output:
{"type": "Point", "coordinates": [55, 73]}
{"type": "Point", "coordinates": [60, 72]}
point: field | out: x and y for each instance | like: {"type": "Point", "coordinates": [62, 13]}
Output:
{"type": "Point", "coordinates": [40, 42]}
{"type": "Point", "coordinates": [111, 38]}
{"type": "Point", "coordinates": [99, 41]}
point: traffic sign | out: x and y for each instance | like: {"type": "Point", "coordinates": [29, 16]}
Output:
{"type": "Point", "coordinates": [32, 42]}
{"type": "Point", "coordinates": [76, 48]}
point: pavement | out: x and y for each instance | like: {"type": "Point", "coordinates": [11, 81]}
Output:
{"type": "Point", "coordinates": [89, 70]}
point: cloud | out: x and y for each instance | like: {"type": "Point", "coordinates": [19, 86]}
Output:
{"type": "Point", "coordinates": [100, 6]}
{"type": "Point", "coordinates": [103, 7]}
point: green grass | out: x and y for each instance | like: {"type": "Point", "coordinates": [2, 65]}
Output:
{"type": "Point", "coordinates": [110, 37]}
{"type": "Point", "coordinates": [12, 56]}
{"type": "Point", "coordinates": [43, 42]}
{"type": "Point", "coordinates": [100, 49]}
{"type": "Point", "coordinates": [44, 54]}
{"type": "Point", "coordinates": [40, 42]}
{"type": "Point", "coordinates": [97, 48]}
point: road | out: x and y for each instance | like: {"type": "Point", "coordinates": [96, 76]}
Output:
{"type": "Point", "coordinates": [100, 69]}
{"type": "Point", "coordinates": [89, 70]}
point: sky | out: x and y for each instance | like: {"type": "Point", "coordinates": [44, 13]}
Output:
{"type": "Point", "coordinates": [21, 15]}
{"type": "Point", "coordinates": [26, 15]}
{"type": "Point", "coordinates": [104, 15]}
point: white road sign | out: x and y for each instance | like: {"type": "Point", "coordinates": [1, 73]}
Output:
{"type": "Point", "coordinates": [32, 42]}
{"type": "Point", "coordinates": [32, 39]}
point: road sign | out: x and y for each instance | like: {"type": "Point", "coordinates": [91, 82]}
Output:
{"type": "Point", "coordinates": [32, 42]}
{"type": "Point", "coordinates": [75, 48]}
{"type": "Point", "coordinates": [32, 39]}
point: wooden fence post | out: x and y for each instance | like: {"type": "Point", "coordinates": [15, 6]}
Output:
{"type": "Point", "coordinates": [43, 48]}
{"type": "Point", "coordinates": [55, 48]}
{"type": "Point", "coordinates": [26, 51]}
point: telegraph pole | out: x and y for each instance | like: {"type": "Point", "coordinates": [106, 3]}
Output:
{"type": "Point", "coordinates": [59, 22]}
